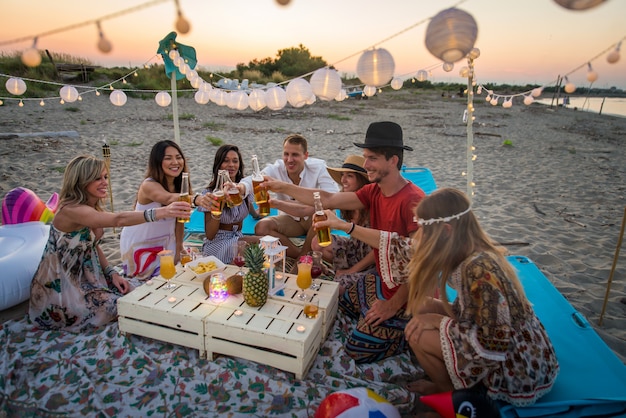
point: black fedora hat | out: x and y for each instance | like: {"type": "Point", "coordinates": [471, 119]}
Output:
{"type": "Point", "coordinates": [384, 134]}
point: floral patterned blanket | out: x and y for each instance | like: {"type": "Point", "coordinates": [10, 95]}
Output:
{"type": "Point", "coordinates": [104, 373]}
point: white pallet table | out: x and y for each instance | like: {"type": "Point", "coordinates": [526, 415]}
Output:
{"type": "Point", "coordinates": [277, 334]}
{"type": "Point", "coordinates": [172, 315]}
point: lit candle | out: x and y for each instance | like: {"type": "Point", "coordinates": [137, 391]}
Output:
{"type": "Point", "coordinates": [238, 312]}
{"type": "Point", "coordinates": [171, 299]}
{"type": "Point", "coordinates": [149, 282]}
{"type": "Point", "coordinates": [300, 328]}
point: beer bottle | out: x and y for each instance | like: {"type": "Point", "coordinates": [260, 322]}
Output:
{"type": "Point", "coordinates": [323, 235]}
{"type": "Point", "coordinates": [184, 195]}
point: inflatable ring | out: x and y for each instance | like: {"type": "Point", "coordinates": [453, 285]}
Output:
{"type": "Point", "coordinates": [21, 248]}
{"type": "Point", "coordinates": [23, 205]}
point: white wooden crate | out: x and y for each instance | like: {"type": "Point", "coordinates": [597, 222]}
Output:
{"type": "Point", "coordinates": [172, 315]}
{"type": "Point", "coordinates": [277, 334]}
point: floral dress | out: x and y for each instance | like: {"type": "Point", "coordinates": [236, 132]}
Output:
{"type": "Point", "coordinates": [69, 290]}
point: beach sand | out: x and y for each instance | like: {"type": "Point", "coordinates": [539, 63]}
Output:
{"type": "Point", "coordinates": [557, 195]}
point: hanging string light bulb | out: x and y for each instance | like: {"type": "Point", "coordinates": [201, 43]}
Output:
{"type": "Point", "coordinates": [31, 57]}
{"type": "Point", "coordinates": [283, 2]}
{"type": "Point", "coordinates": [614, 56]}
{"type": "Point", "coordinates": [569, 87]}
{"type": "Point", "coordinates": [508, 103]}
{"type": "Point", "coordinates": [591, 75]}
{"type": "Point", "coordinates": [182, 25]}
{"type": "Point", "coordinates": [103, 43]}
{"type": "Point", "coordinates": [42, 103]}
{"type": "Point", "coordinates": [528, 100]}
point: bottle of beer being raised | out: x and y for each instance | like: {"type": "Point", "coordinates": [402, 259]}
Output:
{"type": "Point", "coordinates": [323, 235]}
{"type": "Point", "coordinates": [260, 194]}
{"type": "Point", "coordinates": [184, 195]}
{"type": "Point", "coordinates": [218, 193]}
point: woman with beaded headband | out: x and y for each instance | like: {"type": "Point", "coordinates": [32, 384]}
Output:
{"type": "Point", "coordinates": [489, 337]}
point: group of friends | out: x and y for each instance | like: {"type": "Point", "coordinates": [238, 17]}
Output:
{"type": "Point", "coordinates": [400, 252]}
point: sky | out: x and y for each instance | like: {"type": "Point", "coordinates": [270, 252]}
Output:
{"type": "Point", "coordinates": [521, 42]}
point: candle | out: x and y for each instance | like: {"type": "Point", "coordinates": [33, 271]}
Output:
{"type": "Point", "coordinates": [171, 299]}
{"type": "Point", "coordinates": [238, 312]}
{"type": "Point", "coordinates": [149, 282]}
{"type": "Point", "coordinates": [300, 328]}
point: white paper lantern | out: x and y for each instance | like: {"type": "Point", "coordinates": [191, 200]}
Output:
{"type": "Point", "coordinates": [375, 67]}
{"type": "Point", "coordinates": [240, 99]}
{"type": "Point", "coordinates": [69, 94]}
{"type": "Point", "coordinates": [31, 57]}
{"type": "Point", "coordinates": [204, 86]}
{"type": "Point", "coordinates": [578, 4]}
{"type": "Point", "coordinates": [218, 96]}
{"type": "Point", "coordinates": [422, 75]}
{"type": "Point", "coordinates": [343, 95]}
{"type": "Point", "coordinates": [464, 72]}
{"type": "Point", "coordinates": [311, 99]}
{"type": "Point", "coordinates": [173, 54]}
{"type": "Point", "coordinates": [191, 74]}
{"type": "Point", "coordinates": [256, 99]}
{"type": "Point", "coordinates": [451, 35]}
{"type": "Point", "coordinates": [196, 82]}
{"type": "Point", "coordinates": [275, 98]}
{"type": "Point", "coordinates": [298, 92]}
{"type": "Point", "coordinates": [163, 98]}
{"type": "Point", "coordinates": [118, 98]}
{"type": "Point", "coordinates": [15, 86]}
{"type": "Point", "coordinates": [369, 91]}
{"type": "Point", "coordinates": [201, 97]}
{"type": "Point", "coordinates": [448, 66]}
{"type": "Point", "coordinates": [474, 53]}
{"type": "Point", "coordinates": [325, 83]}
{"type": "Point", "coordinates": [396, 83]}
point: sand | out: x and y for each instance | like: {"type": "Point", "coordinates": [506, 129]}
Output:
{"type": "Point", "coordinates": [557, 195]}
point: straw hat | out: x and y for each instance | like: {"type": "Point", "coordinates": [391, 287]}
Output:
{"type": "Point", "coordinates": [352, 164]}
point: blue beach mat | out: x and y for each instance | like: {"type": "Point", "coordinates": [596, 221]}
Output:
{"type": "Point", "coordinates": [592, 380]}
{"type": "Point", "coordinates": [422, 177]}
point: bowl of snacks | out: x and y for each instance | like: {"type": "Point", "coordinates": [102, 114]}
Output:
{"type": "Point", "coordinates": [203, 267]}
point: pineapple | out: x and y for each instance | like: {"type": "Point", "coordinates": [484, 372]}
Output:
{"type": "Point", "coordinates": [255, 282]}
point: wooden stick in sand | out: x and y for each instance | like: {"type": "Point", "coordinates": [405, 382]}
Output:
{"type": "Point", "coordinates": [608, 285]}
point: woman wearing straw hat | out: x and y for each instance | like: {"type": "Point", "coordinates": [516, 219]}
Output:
{"type": "Point", "coordinates": [349, 256]}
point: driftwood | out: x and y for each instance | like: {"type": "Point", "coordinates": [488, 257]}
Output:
{"type": "Point", "coordinates": [538, 210]}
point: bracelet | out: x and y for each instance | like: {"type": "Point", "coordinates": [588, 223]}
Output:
{"type": "Point", "coordinates": [194, 199]}
{"type": "Point", "coordinates": [351, 228]}
{"type": "Point", "coordinates": [216, 218]}
{"type": "Point", "coordinates": [109, 270]}
{"type": "Point", "coordinates": [150, 215]}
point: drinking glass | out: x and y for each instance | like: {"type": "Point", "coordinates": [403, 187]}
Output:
{"type": "Point", "coordinates": [304, 278]}
{"type": "Point", "coordinates": [238, 260]}
{"type": "Point", "coordinates": [316, 268]}
{"type": "Point", "coordinates": [168, 270]}
{"type": "Point", "coordinates": [185, 257]}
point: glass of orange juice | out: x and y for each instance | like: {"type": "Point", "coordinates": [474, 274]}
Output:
{"type": "Point", "coordinates": [304, 279]}
{"type": "Point", "coordinates": [168, 270]}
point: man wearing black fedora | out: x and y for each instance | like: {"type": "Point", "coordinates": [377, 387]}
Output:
{"type": "Point", "coordinates": [376, 300]}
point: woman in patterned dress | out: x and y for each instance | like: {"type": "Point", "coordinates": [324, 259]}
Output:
{"type": "Point", "coordinates": [74, 286]}
{"type": "Point", "coordinates": [222, 232]}
{"type": "Point", "coordinates": [489, 337]}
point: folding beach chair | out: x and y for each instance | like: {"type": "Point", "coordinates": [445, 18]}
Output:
{"type": "Point", "coordinates": [422, 177]}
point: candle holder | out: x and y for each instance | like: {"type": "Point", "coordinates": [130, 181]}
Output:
{"type": "Point", "coordinates": [274, 253]}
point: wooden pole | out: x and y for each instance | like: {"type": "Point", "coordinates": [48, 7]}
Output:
{"type": "Point", "coordinates": [469, 131]}
{"type": "Point", "coordinates": [106, 153]}
{"type": "Point", "coordinates": [615, 257]}
{"type": "Point", "coordinates": [175, 109]}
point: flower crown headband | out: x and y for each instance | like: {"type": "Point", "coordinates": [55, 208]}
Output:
{"type": "Point", "coordinates": [423, 222]}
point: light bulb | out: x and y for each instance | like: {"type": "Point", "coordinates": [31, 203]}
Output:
{"type": "Point", "coordinates": [21, 104]}
{"type": "Point", "coordinates": [182, 25]}
{"type": "Point", "coordinates": [570, 88]}
{"type": "Point", "coordinates": [31, 57]}
{"type": "Point", "coordinates": [613, 57]}
{"type": "Point", "coordinates": [528, 100]}
{"type": "Point", "coordinates": [448, 66]}
{"type": "Point", "coordinates": [537, 91]}
{"type": "Point", "coordinates": [42, 103]}
{"type": "Point", "coordinates": [104, 45]}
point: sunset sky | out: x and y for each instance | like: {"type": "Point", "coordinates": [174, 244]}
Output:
{"type": "Point", "coordinates": [523, 41]}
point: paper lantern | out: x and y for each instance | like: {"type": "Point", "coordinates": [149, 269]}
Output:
{"type": "Point", "coordinates": [163, 99]}
{"type": "Point", "coordinates": [201, 97]}
{"type": "Point", "coordinates": [448, 66]}
{"type": "Point", "coordinates": [204, 86]}
{"type": "Point", "coordinates": [31, 57]}
{"type": "Point", "coordinates": [343, 95]}
{"type": "Point", "coordinates": [298, 92]}
{"type": "Point", "coordinates": [451, 35]}
{"type": "Point", "coordinates": [311, 99]}
{"type": "Point", "coordinates": [239, 100]}
{"type": "Point", "coordinates": [275, 98]}
{"type": "Point", "coordinates": [375, 67]}
{"type": "Point", "coordinates": [369, 91]}
{"type": "Point", "coordinates": [325, 83]}
{"type": "Point", "coordinates": [256, 100]}
{"type": "Point", "coordinates": [173, 54]}
{"type": "Point", "coordinates": [218, 96]}
{"type": "Point", "coordinates": [15, 86]}
{"type": "Point", "coordinates": [396, 83]}
{"type": "Point", "coordinates": [464, 72]}
{"type": "Point", "coordinates": [474, 53]}
{"type": "Point", "coordinates": [69, 94]}
{"type": "Point", "coordinates": [196, 82]}
{"type": "Point", "coordinates": [578, 4]}
{"type": "Point", "coordinates": [118, 98]}
{"type": "Point", "coordinates": [191, 74]}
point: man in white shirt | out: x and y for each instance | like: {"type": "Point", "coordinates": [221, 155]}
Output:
{"type": "Point", "coordinates": [294, 218]}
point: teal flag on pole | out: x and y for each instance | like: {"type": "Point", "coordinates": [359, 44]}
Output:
{"type": "Point", "coordinates": [186, 52]}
